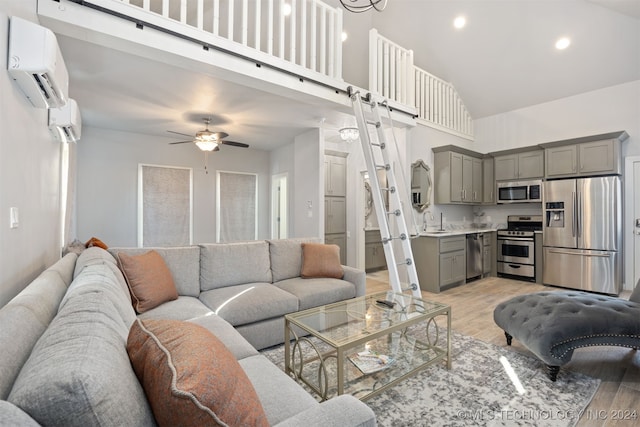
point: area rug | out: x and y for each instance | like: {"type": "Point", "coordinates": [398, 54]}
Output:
{"type": "Point", "coordinates": [478, 391]}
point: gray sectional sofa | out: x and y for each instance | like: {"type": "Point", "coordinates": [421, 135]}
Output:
{"type": "Point", "coordinates": [63, 339]}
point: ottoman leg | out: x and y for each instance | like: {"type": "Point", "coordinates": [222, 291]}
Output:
{"type": "Point", "coordinates": [509, 338]}
{"type": "Point", "coordinates": [552, 372]}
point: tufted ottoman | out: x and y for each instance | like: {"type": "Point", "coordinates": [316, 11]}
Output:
{"type": "Point", "coordinates": [553, 324]}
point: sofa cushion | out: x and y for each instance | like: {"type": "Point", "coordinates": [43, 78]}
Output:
{"type": "Point", "coordinates": [182, 261]}
{"type": "Point", "coordinates": [249, 303]}
{"type": "Point", "coordinates": [286, 257]}
{"type": "Point", "coordinates": [320, 260]}
{"type": "Point", "coordinates": [183, 308]}
{"type": "Point", "coordinates": [189, 376]}
{"type": "Point", "coordinates": [280, 395]}
{"type": "Point", "coordinates": [228, 264]}
{"type": "Point", "coordinates": [79, 373]}
{"type": "Point", "coordinates": [149, 280]}
{"type": "Point", "coordinates": [317, 292]}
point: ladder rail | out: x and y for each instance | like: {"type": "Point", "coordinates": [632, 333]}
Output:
{"type": "Point", "coordinates": [393, 193]}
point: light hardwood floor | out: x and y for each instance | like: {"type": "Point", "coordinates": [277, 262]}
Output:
{"type": "Point", "coordinates": [618, 368]}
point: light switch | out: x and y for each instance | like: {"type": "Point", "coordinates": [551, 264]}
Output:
{"type": "Point", "coordinates": [13, 217]}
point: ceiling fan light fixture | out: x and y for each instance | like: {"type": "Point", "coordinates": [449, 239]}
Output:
{"type": "Point", "coordinates": [206, 144]}
{"type": "Point", "coordinates": [349, 134]}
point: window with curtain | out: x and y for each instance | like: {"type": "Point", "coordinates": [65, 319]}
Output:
{"type": "Point", "coordinates": [237, 206]}
{"type": "Point", "coordinates": [164, 205]}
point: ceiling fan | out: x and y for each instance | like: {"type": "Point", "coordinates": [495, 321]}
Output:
{"type": "Point", "coordinates": [207, 140]}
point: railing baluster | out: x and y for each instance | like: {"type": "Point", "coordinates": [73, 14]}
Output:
{"type": "Point", "coordinates": [165, 8]}
{"type": "Point", "coordinates": [270, 24]}
{"type": "Point", "coordinates": [303, 33]}
{"type": "Point", "coordinates": [281, 31]}
{"type": "Point", "coordinates": [292, 32]}
{"type": "Point", "coordinates": [314, 38]}
{"type": "Point", "coordinates": [258, 25]}
{"type": "Point", "coordinates": [146, 4]}
{"type": "Point", "coordinates": [245, 22]}
{"type": "Point", "coordinates": [200, 14]}
{"type": "Point", "coordinates": [216, 17]}
{"type": "Point", "coordinates": [338, 45]}
{"type": "Point", "coordinates": [331, 44]}
{"type": "Point", "coordinates": [232, 6]}
{"type": "Point", "coordinates": [183, 11]}
{"type": "Point", "coordinates": [323, 41]}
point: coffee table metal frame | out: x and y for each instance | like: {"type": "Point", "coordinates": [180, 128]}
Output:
{"type": "Point", "coordinates": [407, 311]}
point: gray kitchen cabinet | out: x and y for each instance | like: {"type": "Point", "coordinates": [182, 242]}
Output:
{"type": "Point", "coordinates": [335, 215]}
{"type": "Point", "coordinates": [440, 261]}
{"type": "Point", "coordinates": [335, 202]}
{"type": "Point", "coordinates": [335, 175]}
{"type": "Point", "coordinates": [589, 158]}
{"type": "Point", "coordinates": [341, 241]}
{"type": "Point", "coordinates": [489, 245]}
{"type": "Point", "coordinates": [477, 181]}
{"type": "Point", "coordinates": [373, 251]}
{"type": "Point", "coordinates": [524, 165]}
{"type": "Point", "coordinates": [488, 182]}
{"type": "Point", "coordinates": [458, 178]}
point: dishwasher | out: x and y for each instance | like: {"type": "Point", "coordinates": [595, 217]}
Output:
{"type": "Point", "coordinates": [474, 256]}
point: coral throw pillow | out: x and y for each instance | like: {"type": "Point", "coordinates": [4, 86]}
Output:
{"type": "Point", "coordinates": [320, 260]}
{"type": "Point", "coordinates": [190, 377]}
{"type": "Point", "coordinates": [149, 280]}
{"type": "Point", "coordinates": [94, 241]}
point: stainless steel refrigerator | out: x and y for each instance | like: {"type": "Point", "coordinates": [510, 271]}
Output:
{"type": "Point", "coordinates": [582, 234]}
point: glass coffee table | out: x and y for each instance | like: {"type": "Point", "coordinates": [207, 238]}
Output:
{"type": "Point", "coordinates": [362, 346]}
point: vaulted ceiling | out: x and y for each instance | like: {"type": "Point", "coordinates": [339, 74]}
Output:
{"type": "Point", "coordinates": [504, 59]}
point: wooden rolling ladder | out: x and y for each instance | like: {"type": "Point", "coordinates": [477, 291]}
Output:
{"type": "Point", "coordinates": [372, 137]}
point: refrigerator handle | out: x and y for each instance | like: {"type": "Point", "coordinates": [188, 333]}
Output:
{"type": "Point", "coordinates": [579, 214]}
{"type": "Point", "coordinates": [573, 217]}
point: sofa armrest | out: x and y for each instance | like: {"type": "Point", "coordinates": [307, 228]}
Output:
{"type": "Point", "coordinates": [341, 411]}
{"type": "Point", "coordinates": [357, 277]}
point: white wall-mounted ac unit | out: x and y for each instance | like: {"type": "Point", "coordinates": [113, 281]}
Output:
{"type": "Point", "coordinates": [36, 64]}
{"type": "Point", "coordinates": [65, 122]}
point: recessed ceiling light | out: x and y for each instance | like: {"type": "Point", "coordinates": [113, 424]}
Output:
{"type": "Point", "coordinates": [563, 43]}
{"type": "Point", "coordinates": [460, 22]}
{"type": "Point", "coordinates": [344, 36]}
{"type": "Point", "coordinates": [286, 9]}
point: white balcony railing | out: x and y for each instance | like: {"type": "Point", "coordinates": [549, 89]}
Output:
{"type": "Point", "coordinates": [308, 36]}
{"type": "Point", "coordinates": [393, 75]}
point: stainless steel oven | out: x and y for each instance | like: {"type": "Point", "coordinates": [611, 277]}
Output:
{"type": "Point", "coordinates": [516, 248]}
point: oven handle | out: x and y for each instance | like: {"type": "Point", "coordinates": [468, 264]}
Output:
{"type": "Point", "coordinates": [514, 266]}
{"type": "Point", "coordinates": [519, 239]}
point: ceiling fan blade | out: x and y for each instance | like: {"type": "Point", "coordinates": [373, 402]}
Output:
{"type": "Point", "coordinates": [180, 133]}
{"type": "Point", "coordinates": [179, 142]}
{"type": "Point", "coordinates": [236, 144]}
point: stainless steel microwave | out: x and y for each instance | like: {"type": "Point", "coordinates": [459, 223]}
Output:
{"type": "Point", "coordinates": [520, 191]}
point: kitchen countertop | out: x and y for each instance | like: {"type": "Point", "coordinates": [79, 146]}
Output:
{"type": "Point", "coordinates": [458, 232]}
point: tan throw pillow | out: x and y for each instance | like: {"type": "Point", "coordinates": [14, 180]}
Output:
{"type": "Point", "coordinates": [320, 260]}
{"type": "Point", "coordinates": [190, 377]}
{"type": "Point", "coordinates": [149, 280]}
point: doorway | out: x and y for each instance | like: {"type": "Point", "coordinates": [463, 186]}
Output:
{"type": "Point", "coordinates": [631, 221]}
{"type": "Point", "coordinates": [279, 205]}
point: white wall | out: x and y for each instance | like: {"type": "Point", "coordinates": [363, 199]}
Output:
{"type": "Point", "coordinates": [282, 161]}
{"type": "Point", "coordinates": [308, 186]}
{"type": "Point", "coordinates": [29, 175]}
{"type": "Point", "coordinates": [108, 176]}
